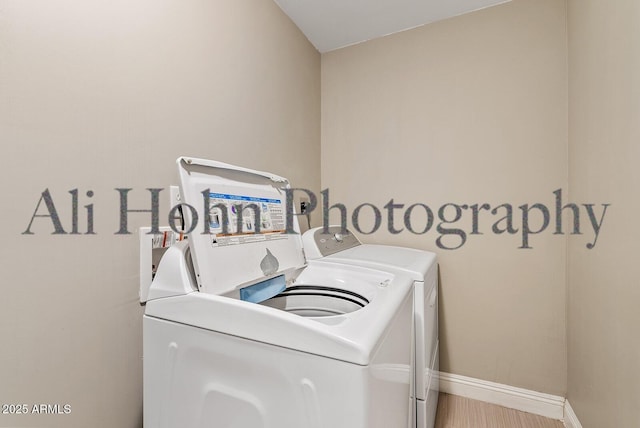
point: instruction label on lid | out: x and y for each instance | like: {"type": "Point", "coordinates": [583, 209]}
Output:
{"type": "Point", "coordinates": [242, 225]}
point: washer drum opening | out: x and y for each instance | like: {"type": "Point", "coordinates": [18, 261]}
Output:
{"type": "Point", "coordinates": [317, 301]}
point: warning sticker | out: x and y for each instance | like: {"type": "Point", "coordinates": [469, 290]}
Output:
{"type": "Point", "coordinates": [248, 219]}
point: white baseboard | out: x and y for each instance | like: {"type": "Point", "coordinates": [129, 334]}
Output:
{"type": "Point", "coordinates": [538, 403]}
{"type": "Point", "coordinates": [570, 418]}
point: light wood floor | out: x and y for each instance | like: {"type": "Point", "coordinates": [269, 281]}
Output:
{"type": "Point", "coordinates": [459, 412]}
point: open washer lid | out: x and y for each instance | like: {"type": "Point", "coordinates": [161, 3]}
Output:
{"type": "Point", "coordinates": [257, 250]}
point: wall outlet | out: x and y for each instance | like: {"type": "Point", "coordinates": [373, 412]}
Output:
{"type": "Point", "coordinates": [304, 205]}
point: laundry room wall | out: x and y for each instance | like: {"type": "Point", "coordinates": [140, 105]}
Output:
{"type": "Point", "coordinates": [604, 292]}
{"type": "Point", "coordinates": [107, 94]}
{"type": "Point", "coordinates": [468, 110]}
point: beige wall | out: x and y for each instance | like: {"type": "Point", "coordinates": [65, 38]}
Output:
{"type": "Point", "coordinates": [468, 110]}
{"type": "Point", "coordinates": [604, 296]}
{"type": "Point", "coordinates": [98, 95]}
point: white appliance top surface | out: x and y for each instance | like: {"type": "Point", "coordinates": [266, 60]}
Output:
{"type": "Point", "coordinates": [415, 263]}
{"type": "Point", "coordinates": [353, 337]}
{"type": "Point", "coordinates": [225, 262]}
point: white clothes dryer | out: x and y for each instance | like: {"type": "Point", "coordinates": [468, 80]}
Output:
{"type": "Point", "coordinates": [239, 332]}
{"type": "Point", "coordinates": [421, 266]}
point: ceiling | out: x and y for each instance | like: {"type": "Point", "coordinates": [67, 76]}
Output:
{"type": "Point", "coordinates": [333, 24]}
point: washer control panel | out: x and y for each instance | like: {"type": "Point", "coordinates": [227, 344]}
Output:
{"type": "Point", "coordinates": [334, 241]}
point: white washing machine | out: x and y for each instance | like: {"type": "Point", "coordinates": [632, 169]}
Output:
{"type": "Point", "coordinates": [239, 332]}
{"type": "Point", "coordinates": [421, 266]}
